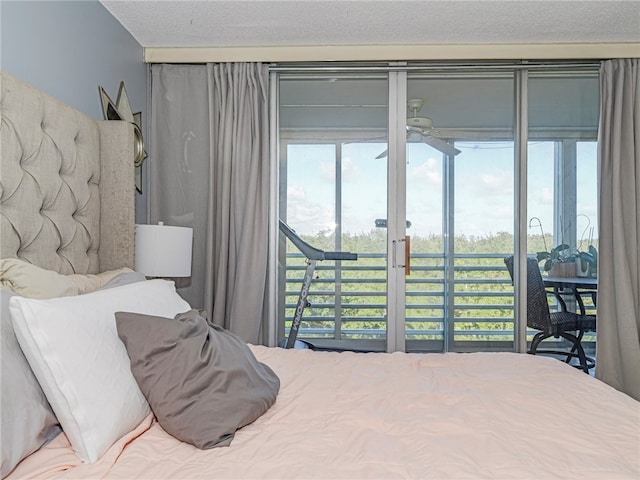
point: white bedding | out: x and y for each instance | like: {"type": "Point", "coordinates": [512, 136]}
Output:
{"type": "Point", "coordinates": [350, 415]}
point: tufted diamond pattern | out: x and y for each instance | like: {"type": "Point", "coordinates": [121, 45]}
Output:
{"type": "Point", "coordinates": [49, 181]}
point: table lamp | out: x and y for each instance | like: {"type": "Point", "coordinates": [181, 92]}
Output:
{"type": "Point", "coordinates": [163, 251]}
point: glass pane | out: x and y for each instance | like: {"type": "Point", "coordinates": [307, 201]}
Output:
{"type": "Point", "coordinates": [460, 206]}
{"type": "Point", "coordinates": [425, 284]}
{"type": "Point", "coordinates": [587, 194]}
{"type": "Point", "coordinates": [587, 218]}
{"type": "Point", "coordinates": [484, 219]}
{"type": "Point", "coordinates": [562, 191]}
{"type": "Point", "coordinates": [540, 194]}
{"type": "Point", "coordinates": [333, 184]}
{"type": "Point", "coordinates": [310, 205]}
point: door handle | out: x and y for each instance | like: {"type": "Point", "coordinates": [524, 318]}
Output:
{"type": "Point", "coordinates": [404, 255]}
{"type": "Point", "coordinates": [407, 255]}
{"type": "Point", "coordinates": [406, 243]}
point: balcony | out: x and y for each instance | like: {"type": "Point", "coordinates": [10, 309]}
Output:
{"type": "Point", "coordinates": [460, 304]}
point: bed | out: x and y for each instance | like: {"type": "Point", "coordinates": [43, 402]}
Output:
{"type": "Point", "coordinates": [90, 333]}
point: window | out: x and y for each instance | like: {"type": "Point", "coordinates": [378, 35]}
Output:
{"type": "Point", "coordinates": [336, 190]}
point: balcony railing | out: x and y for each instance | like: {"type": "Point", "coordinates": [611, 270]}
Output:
{"type": "Point", "coordinates": [466, 301]}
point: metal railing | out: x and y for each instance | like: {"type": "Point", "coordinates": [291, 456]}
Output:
{"type": "Point", "coordinates": [347, 300]}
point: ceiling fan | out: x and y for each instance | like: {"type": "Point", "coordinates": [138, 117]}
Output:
{"type": "Point", "coordinates": [421, 129]}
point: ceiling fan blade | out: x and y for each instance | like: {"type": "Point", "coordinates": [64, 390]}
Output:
{"type": "Point", "coordinates": [383, 154]}
{"type": "Point", "coordinates": [441, 145]}
{"type": "Point", "coordinates": [436, 143]}
{"type": "Point", "coordinates": [474, 134]}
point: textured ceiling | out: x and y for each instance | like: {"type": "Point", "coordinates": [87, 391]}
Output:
{"type": "Point", "coordinates": [220, 23]}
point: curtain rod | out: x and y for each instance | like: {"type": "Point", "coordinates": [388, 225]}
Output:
{"type": "Point", "coordinates": [425, 67]}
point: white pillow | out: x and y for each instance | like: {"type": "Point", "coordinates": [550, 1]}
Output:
{"type": "Point", "coordinates": [74, 350]}
{"type": "Point", "coordinates": [28, 280]}
{"type": "Point", "coordinates": [31, 281]}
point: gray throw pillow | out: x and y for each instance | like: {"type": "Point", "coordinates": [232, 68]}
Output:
{"type": "Point", "coordinates": [202, 382]}
{"type": "Point", "coordinates": [27, 419]}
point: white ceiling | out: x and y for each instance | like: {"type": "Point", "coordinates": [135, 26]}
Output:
{"type": "Point", "coordinates": [250, 23]}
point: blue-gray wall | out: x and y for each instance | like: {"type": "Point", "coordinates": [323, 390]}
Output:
{"type": "Point", "coordinates": [67, 49]}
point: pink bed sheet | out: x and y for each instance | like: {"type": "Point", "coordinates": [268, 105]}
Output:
{"type": "Point", "coordinates": [349, 415]}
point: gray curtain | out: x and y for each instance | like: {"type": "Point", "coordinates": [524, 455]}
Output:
{"type": "Point", "coordinates": [209, 170]}
{"type": "Point", "coordinates": [618, 336]}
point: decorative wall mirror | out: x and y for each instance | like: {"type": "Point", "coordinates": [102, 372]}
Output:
{"type": "Point", "coordinates": [121, 110]}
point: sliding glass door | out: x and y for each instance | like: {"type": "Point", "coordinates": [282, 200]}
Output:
{"type": "Point", "coordinates": [460, 180]}
{"type": "Point", "coordinates": [333, 193]}
{"type": "Point", "coordinates": [415, 171]}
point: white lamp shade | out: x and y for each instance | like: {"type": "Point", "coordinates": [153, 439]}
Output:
{"type": "Point", "coordinates": [163, 251]}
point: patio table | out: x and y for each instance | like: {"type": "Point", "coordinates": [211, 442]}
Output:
{"type": "Point", "coordinates": [576, 286]}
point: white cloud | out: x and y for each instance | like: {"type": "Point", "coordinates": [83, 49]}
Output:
{"type": "Point", "coordinates": [429, 171]}
{"type": "Point", "coordinates": [296, 193]}
{"type": "Point", "coordinates": [545, 196]}
{"type": "Point", "coordinates": [308, 216]}
{"type": "Point", "coordinates": [350, 171]}
{"type": "Point", "coordinates": [499, 183]}
{"type": "Point", "coordinates": [328, 172]}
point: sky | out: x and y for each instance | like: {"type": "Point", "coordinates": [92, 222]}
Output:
{"type": "Point", "coordinates": [483, 185]}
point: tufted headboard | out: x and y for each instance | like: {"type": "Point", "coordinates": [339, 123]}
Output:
{"type": "Point", "coordinates": [66, 184]}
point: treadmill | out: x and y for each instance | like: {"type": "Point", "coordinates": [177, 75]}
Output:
{"type": "Point", "coordinates": [313, 255]}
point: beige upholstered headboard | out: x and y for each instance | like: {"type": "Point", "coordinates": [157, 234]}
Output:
{"type": "Point", "coordinates": [66, 184]}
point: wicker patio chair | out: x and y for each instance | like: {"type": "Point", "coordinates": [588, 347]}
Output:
{"type": "Point", "coordinates": [568, 325]}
